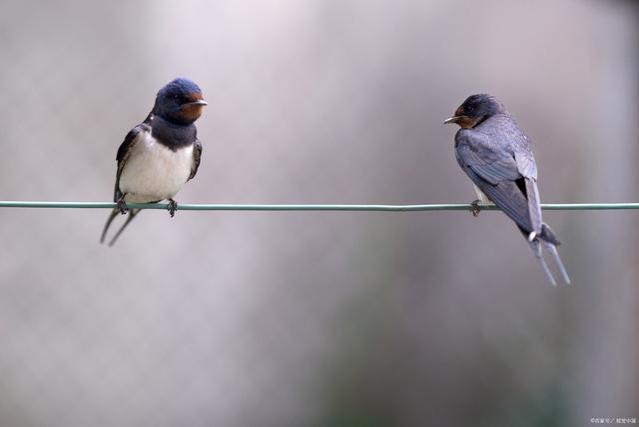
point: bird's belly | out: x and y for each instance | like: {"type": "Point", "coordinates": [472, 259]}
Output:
{"type": "Point", "coordinates": [483, 198]}
{"type": "Point", "coordinates": [154, 172]}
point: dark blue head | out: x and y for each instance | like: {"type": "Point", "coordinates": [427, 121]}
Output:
{"type": "Point", "coordinates": [181, 101]}
{"type": "Point", "coordinates": [475, 109]}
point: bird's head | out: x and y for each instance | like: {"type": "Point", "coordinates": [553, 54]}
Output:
{"type": "Point", "coordinates": [181, 101]}
{"type": "Point", "coordinates": [475, 109]}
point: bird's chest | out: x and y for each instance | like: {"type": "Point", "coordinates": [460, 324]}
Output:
{"type": "Point", "coordinates": [155, 172]}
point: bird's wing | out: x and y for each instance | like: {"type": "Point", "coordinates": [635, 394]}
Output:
{"type": "Point", "coordinates": [197, 156]}
{"type": "Point", "coordinates": [496, 174]}
{"type": "Point", "coordinates": [527, 167]}
{"type": "Point", "coordinates": [489, 163]}
{"type": "Point", "coordinates": [130, 140]}
{"type": "Point", "coordinates": [534, 204]}
{"type": "Point", "coordinates": [507, 195]}
{"type": "Point", "coordinates": [526, 163]}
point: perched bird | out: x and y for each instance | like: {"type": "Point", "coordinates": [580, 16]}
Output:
{"type": "Point", "coordinates": [161, 154]}
{"type": "Point", "coordinates": [496, 155]}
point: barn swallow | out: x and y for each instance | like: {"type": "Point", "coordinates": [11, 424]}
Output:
{"type": "Point", "coordinates": [496, 155]}
{"type": "Point", "coordinates": [160, 154]}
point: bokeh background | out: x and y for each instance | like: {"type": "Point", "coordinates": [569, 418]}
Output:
{"type": "Point", "coordinates": [317, 318]}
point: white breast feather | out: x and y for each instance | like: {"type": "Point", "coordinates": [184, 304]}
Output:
{"type": "Point", "coordinates": [154, 172]}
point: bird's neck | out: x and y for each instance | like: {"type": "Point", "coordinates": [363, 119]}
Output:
{"type": "Point", "coordinates": [173, 135]}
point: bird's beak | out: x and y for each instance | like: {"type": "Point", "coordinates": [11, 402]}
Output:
{"type": "Point", "coordinates": [452, 120]}
{"type": "Point", "coordinates": [200, 102]}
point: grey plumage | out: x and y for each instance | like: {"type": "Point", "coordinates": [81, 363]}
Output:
{"type": "Point", "coordinates": [496, 155]}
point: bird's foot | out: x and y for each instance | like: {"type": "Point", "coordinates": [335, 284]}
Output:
{"type": "Point", "coordinates": [172, 207]}
{"type": "Point", "coordinates": [475, 207]}
{"type": "Point", "coordinates": [121, 206]}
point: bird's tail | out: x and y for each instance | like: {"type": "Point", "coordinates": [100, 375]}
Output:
{"type": "Point", "coordinates": [550, 241]}
{"type": "Point", "coordinates": [547, 235]}
{"type": "Point", "coordinates": [553, 250]}
{"type": "Point", "coordinates": [535, 245]}
{"type": "Point", "coordinates": [114, 213]}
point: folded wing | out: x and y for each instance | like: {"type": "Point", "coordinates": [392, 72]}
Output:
{"type": "Point", "coordinates": [508, 180]}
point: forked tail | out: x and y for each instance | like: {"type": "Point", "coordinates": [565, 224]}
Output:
{"type": "Point", "coordinates": [550, 242]}
{"type": "Point", "coordinates": [114, 213]}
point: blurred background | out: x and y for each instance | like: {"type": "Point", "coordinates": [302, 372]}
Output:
{"type": "Point", "coordinates": [317, 318]}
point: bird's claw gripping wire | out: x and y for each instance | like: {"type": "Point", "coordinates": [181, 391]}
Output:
{"type": "Point", "coordinates": [475, 207]}
{"type": "Point", "coordinates": [121, 206]}
{"type": "Point", "coordinates": [172, 207]}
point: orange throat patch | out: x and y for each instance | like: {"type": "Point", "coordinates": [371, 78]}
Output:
{"type": "Point", "coordinates": [466, 122]}
{"type": "Point", "coordinates": [191, 111]}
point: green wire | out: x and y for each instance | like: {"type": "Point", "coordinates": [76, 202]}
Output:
{"type": "Point", "coordinates": [308, 207]}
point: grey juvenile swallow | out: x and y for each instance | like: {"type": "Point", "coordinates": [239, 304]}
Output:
{"type": "Point", "coordinates": [159, 155]}
{"type": "Point", "coordinates": [496, 155]}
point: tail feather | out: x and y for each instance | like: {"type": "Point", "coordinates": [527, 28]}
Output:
{"type": "Point", "coordinates": [550, 241]}
{"type": "Point", "coordinates": [114, 213]}
{"type": "Point", "coordinates": [553, 250]}
{"type": "Point", "coordinates": [132, 214]}
{"type": "Point", "coordinates": [536, 248]}
{"type": "Point", "coordinates": [548, 235]}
